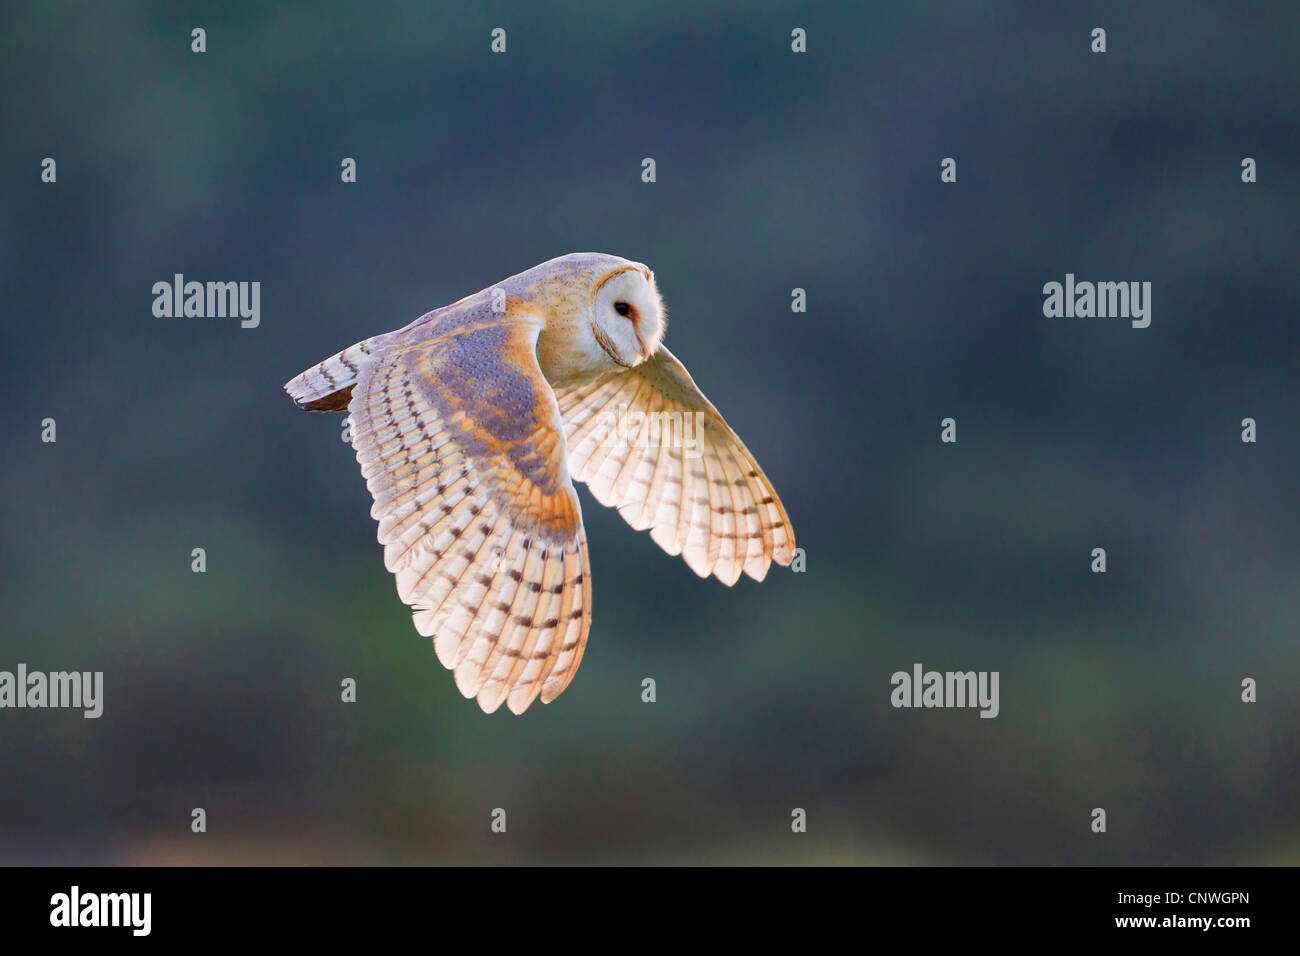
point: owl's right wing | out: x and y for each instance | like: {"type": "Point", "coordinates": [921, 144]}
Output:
{"type": "Point", "coordinates": [647, 442]}
{"type": "Point", "coordinates": [461, 444]}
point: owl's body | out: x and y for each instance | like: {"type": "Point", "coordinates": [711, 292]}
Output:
{"type": "Point", "coordinates": [470, 425]}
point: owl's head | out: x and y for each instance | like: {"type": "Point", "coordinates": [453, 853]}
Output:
{"type": "Point", "coordinates": [627, 314]}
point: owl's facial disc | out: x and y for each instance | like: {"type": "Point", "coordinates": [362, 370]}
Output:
{"type": "Point", "coordinates": [627, 315]}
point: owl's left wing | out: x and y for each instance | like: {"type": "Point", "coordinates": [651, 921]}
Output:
{"type": "Point", "coordinates": [647, 442]}
{"type": "Point", "coordinates": [461, 444]}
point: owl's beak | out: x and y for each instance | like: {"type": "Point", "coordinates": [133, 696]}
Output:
{"type": "Point", "coordinates": [642, 348]}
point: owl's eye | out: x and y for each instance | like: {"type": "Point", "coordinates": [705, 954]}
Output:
{"type": "Point", "coordinates": [622, 308]}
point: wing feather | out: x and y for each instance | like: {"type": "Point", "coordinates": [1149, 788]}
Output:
{"type": "Point", "coordinates": [563, 663]}
{"type": "Point", "coordinates": [462, 446]}
{"type": "Point", "coordinates": [683, 473]}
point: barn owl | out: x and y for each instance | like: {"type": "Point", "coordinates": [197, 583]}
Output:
{"type": "Point", "coordinates": [471, 424]}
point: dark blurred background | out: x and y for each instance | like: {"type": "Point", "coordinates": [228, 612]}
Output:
{"type": "Point", "coordinates": [775, 171]}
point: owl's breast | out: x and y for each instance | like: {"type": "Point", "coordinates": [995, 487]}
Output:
{"type": "Point", "coordinates": [569, 354]}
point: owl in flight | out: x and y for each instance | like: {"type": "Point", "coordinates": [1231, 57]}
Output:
{"type": "Point", "coordinates": [471, 425]}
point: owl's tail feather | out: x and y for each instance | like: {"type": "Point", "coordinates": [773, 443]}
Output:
{"type": "Point", "coordinates": [327, 387]}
